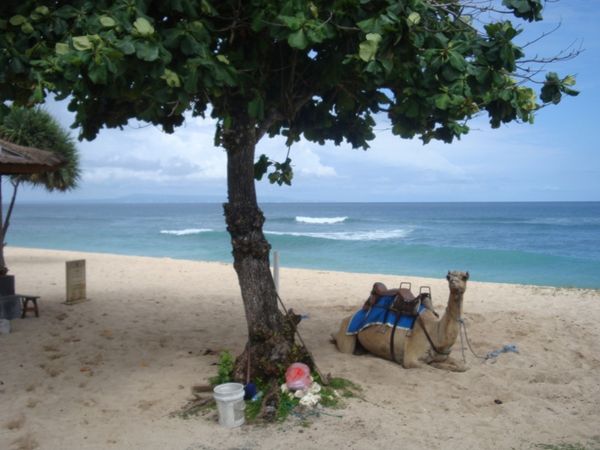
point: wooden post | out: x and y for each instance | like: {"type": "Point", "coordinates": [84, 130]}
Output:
{"type": "Point", "coordinates": [276, 270]}
{"type": "Point", "coordinates": [76, 286]}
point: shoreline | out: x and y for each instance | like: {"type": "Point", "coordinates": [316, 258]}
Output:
{"type": "Point", "coordinates": [283, 267]}
{"type": "Point", "coordinates": [106, 373]}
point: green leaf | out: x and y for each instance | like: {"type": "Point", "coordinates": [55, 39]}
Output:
{"type": "Point", "coordinates": [43, 10]}
{"type": "Point", "coordinates": [456, 60]}
{"type": "Point", "coordinates": [292, 22]}
{"type": "Point", "coordinates": [191, 81]}
{"type": "Point", "coordinates": [298, 40]}
{"type": "Point", "coordinates": [61, 48]}
{"type": "Point", "coordinates": [38, 94]}
{"type": "Point", "coordinates": [147, 51]}
{"type": "Point", "coordinates": [443, 40]}
{"type": "Point", "coordinates": [97, 73]}
{"type": "Point", "coordinates": [16, 65]}
{"type": "Point", "coordinates": [27, 28]}
{"type": "Point", "coordinates": [388, 65]}
{"type": "Point", "coordinates": [126, 46]}
{"type": "Point", "coordinates": [256, 108]}
{"type": "Point", "coordinates": [143, 27]}
{"type": "Point", "coordinates": [527, 9]}
{"type": "Point", "coordinates": [223, 75]}
{"type": "Point", "coordinates": [207, 8]}
{"type": "Point", "coordinates": [316, 36]}
{"type": "Point", "coordinates": [17, 20]}
{"type": "Point", "coordinates": [190, 46]}
{"type": "Point", "coordinates": [442, 101]}
{"type": "Point", "coordinates": [369, 25]}
{"type": "Point", "coordinates": [171, 78]}
{"type": "Point", "coordinates": [413, 19]}
{"type": "Point", "coordinates": [223, 59]}
{"type": "Point", "coordinates": [569, 80]}
{"type": "Point", "coordinates": [261, 166]}
{"type": "Point", "coordinates": [373, 37]}
{"type": "Point", "coordinates": [107, 22]}
{"type": "Point", "coordinates": [368, 48]}
{"type": "Point", "coordinates": [82, 43]}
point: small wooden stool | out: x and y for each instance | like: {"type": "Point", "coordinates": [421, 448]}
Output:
{"type": "Point", "coordinates": [25, 299]}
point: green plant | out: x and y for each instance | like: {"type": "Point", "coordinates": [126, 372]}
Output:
{"type": "Point", "coordinates": [225, 368]}
{"type": "Point", "coordinates": [252, 410]}
{"type": "Point", "coordinates": [336, 389]}
{"type": "Point", "coordinates": [286, 405]}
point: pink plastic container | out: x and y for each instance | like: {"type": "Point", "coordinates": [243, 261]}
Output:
{"type": "Point", "coordinates": [297, 376]}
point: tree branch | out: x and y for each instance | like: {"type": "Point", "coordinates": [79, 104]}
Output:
{"type": "Point", "coordinates": [15, 184]}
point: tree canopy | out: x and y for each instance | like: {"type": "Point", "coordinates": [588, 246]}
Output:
{"type": "Point", "coordinates": [317, 69]}
{"type": "Point", "coordinates": [34, 127]}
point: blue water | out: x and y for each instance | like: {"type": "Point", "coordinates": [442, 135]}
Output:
{"type": "Point", "coordinates": [556, 244]}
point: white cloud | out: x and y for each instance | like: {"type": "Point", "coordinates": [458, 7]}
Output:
{"type": "Point", "coordinates": [148, 154]}
{"type": "Point", "coordinates": [308, 164]}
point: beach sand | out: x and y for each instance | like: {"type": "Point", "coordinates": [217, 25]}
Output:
{"type": "Point", "coordinates": [106, 373]}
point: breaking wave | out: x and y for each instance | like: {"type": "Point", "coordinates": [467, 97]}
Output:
{"type": "Point", "coordinates": [321, 220]}
{"type": "Point", "coordinates": [376, 235]}
{"type": "Point", "coordinates": [186, 231]}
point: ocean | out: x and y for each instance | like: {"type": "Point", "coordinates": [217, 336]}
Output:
{"type": "Point", "coordinates": [554, 244]}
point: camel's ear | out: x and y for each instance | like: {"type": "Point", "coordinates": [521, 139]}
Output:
{"type": "Point", "coordinates": [467, 276]}
{"type": "Point", "coordinates": [448, 276]}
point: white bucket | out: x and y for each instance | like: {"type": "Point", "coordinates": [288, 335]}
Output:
{"type": "Point", "coordinates": [230, 403]}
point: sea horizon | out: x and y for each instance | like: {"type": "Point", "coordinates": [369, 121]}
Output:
{"type": "Point", "coordinates": [538, 243]}
{"type": "Point", "coordinates": [179, 200]}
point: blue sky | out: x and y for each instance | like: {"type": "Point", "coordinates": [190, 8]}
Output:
{"type": "Point", "coordinates": [553, 160]}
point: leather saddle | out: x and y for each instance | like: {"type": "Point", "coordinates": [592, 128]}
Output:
{"type": "Point", "coordinates": [405, 302]}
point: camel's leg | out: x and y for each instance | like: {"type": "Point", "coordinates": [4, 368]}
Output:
{"type": "Point", "coordinates": [412, 364]}
{"type": "Point", "coordinates": [344, 343]}
{"type": "Point", "coordinates": [411, 358]}
{"type": "Point", "coordinates": [449, 364]}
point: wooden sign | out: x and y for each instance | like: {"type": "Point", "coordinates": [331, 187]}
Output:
{"type": "Point", "coordinates": [76, 281]}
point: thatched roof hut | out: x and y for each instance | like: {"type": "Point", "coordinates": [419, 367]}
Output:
{"type": "Point", "coordinates": [18, 160]}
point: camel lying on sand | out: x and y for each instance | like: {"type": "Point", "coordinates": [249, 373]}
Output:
{"type": "Point", "coordinates": [415, 349]}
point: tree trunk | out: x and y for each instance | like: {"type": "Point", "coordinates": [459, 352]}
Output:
{"type": "Point", "coordinates": [5, 222]}
{"type": "Point", "coordinates": [270, 346]}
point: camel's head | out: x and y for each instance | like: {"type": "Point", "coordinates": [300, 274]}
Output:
{"type": "Point", "coordinates": [457, 281]}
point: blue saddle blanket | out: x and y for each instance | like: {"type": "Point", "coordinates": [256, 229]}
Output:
{"type": "Point", "coordinates": [379, 315]}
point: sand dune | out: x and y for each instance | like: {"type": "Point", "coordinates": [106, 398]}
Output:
{"type": "Point", "coordinates": [106, 373]}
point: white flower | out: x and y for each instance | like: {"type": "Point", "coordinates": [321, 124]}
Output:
{"type": "Point", "coordinates": [284, 388]}
{"type": "Point", "coordinates": [310, 399]}
{"type": "Point", "coordinates": [314, 388]}
{"type": "Point", "coordinates": [299, 393]}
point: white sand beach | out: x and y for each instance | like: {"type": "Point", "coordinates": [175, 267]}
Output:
{"type": "Point", "coordinates": [106, 373]}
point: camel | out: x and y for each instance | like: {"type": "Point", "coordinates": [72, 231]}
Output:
{"type": "Point", "coordinates": [413, 348]}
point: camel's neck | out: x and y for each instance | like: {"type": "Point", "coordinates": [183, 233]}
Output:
{"type": "Point", "coordinates": [448, 326]}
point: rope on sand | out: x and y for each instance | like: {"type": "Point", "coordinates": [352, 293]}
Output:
{"type": "Point", "coordinates": [512, 348]}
